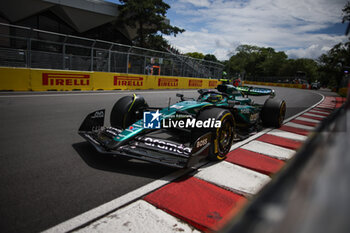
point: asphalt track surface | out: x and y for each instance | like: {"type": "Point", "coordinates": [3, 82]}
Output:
{"type": "Point", "coordinates": [48, 174]}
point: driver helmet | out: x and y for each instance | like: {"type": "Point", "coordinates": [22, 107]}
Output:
{"type": "Point", "coordinates": [214, 97]}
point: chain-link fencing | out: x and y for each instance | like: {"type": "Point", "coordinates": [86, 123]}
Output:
{"type": "Point", "coordinates": [33, 48]}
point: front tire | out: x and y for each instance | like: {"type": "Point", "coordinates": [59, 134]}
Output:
{"type": "Point", "coordinates": [273, 112]}
{"type": "Point", "coordinates": [222, 138]}
{"type": "Point", "coordinates": [127, 110]}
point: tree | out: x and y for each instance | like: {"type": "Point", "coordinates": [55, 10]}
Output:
{"type": "Point", "coordinates": [255, 61]}
{"type": "Point", "coordinates": [196, 55]}
{"type": "Point", "coordinates": [149, 17]}
{"type": "Point", "coordinates": [332, 64]}
{"type": "Point", "coordinates": [271, 61]}
{"type": "Point", "coordinates": [336, 60]}
{"type": "Point", "coordinates": [210, 57]}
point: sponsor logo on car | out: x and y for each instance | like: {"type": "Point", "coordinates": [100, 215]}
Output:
{"type": "Point", "coordinates": [98, 114]}
{"type": "Point", "coordinates": [202, 142]}
{"type": "Point", "coordinates": [176, 106]}
{"type": "Point", "coordinates": [56, 79]}
{"type": "Point", "coordinates": [245, 110]}
{"type": "Point", "coordinates": [169, 146]}
{"type": "Point", "coordinates": [254, 117]}
{"type": "Point", "coordinates": [128, 81]}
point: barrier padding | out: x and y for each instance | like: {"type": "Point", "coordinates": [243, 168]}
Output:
{"type": "Point", "coordinates": [24, 79]}
{"type": "Point", "coordinates": [14, 79]}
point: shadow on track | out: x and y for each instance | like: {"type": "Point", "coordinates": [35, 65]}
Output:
{"type": "Point", "coordinates": [118, 164]}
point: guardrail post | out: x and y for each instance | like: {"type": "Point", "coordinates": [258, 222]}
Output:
{"type": "Point", "coordinates": [29, 51]}
{"type": "Point", "coordinates": [109, 57]}
{"type": "Point", "coordinates": [172, 67]}
{"type": "Point", "coordinates": [182, 68]}
{"type": "Point", "coordinates": [144, 66]}
{"type": "Point", "coordinates": [127, 60]}
{"type": "Point", "coordinates": [64, 53]}
{"type": "Point", "coordinates": [92, 56]}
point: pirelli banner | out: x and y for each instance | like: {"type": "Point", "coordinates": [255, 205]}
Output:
{"type": "Point", "coordinates": [46, 80]}
{"type": "Point", "coordinates": [63, 80]}
{"type": "Point", "coordinates": [103, 81]}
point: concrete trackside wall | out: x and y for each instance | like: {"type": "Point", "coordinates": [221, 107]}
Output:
{"type": "Point", "coordinates": [25, 79]}
{"type": "Point", "coordinates": [301, 86]}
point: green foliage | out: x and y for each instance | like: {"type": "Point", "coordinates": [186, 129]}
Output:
{"type": "Point", "coordinates": [254, 61]}
{"type": "Point", "coordinates": [207, 57]}
{"type": "Point", "coordinates": [149, 17]}
{"type": "Point", "coordinates": [210, 57]}
{"type": "Point", "coordinates": [333, 63]}
{"type": "Point", "coordinates": [196, 55]}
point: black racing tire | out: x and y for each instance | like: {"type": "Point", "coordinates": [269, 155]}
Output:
{"type": "Point", "coordinates": [127, 110]}
{"type": "Point", "coordinates": [222, 138]}
{"type": "Point", "coordinates": [273, 112]}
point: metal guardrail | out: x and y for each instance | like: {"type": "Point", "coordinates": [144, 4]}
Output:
{"type": "Point", "coordinates": [33, 48]}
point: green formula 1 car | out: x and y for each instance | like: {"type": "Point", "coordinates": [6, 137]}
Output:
{"type": "Point", "coordinates": [182, 134]}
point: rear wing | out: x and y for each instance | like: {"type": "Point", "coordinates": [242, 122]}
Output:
{"type": "Point", "coordinates": [256, 91]}
{"type": "Point", "coordinates": [245, 90]}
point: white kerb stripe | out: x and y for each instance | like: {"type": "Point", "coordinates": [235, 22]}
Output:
{"type": "Point", "coordinates": [108, 207]}
{"type": "Point", "coordinates": [289, 135]}
{"type": "Point", "coordinates": [319, 112]}
{"type": "Point", "coordinates": [314, 115]}
{"type": "Point", "coordinates": [299, 126]}
{"type": "Point", "coordinates": [326, 106]}
{"type": "Point", "coordinates": [269, 150]}
{"type": "Point", "coordinates": [233, 177]}
{"type": "Point", "coordinates": [139, 216]}
{"type": "Point", "coordinates": [307, 119]}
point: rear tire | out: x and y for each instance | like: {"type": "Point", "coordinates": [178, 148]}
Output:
{"type": "Point", "coordinates": [127, 110]}
{"type": "Point", "coordinates": [273, 112]}
{"type": "Point", "coordinates": [222, 138]}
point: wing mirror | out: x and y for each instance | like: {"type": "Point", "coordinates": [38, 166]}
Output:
{"type": "Point", "coordinates": [181, 96]}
